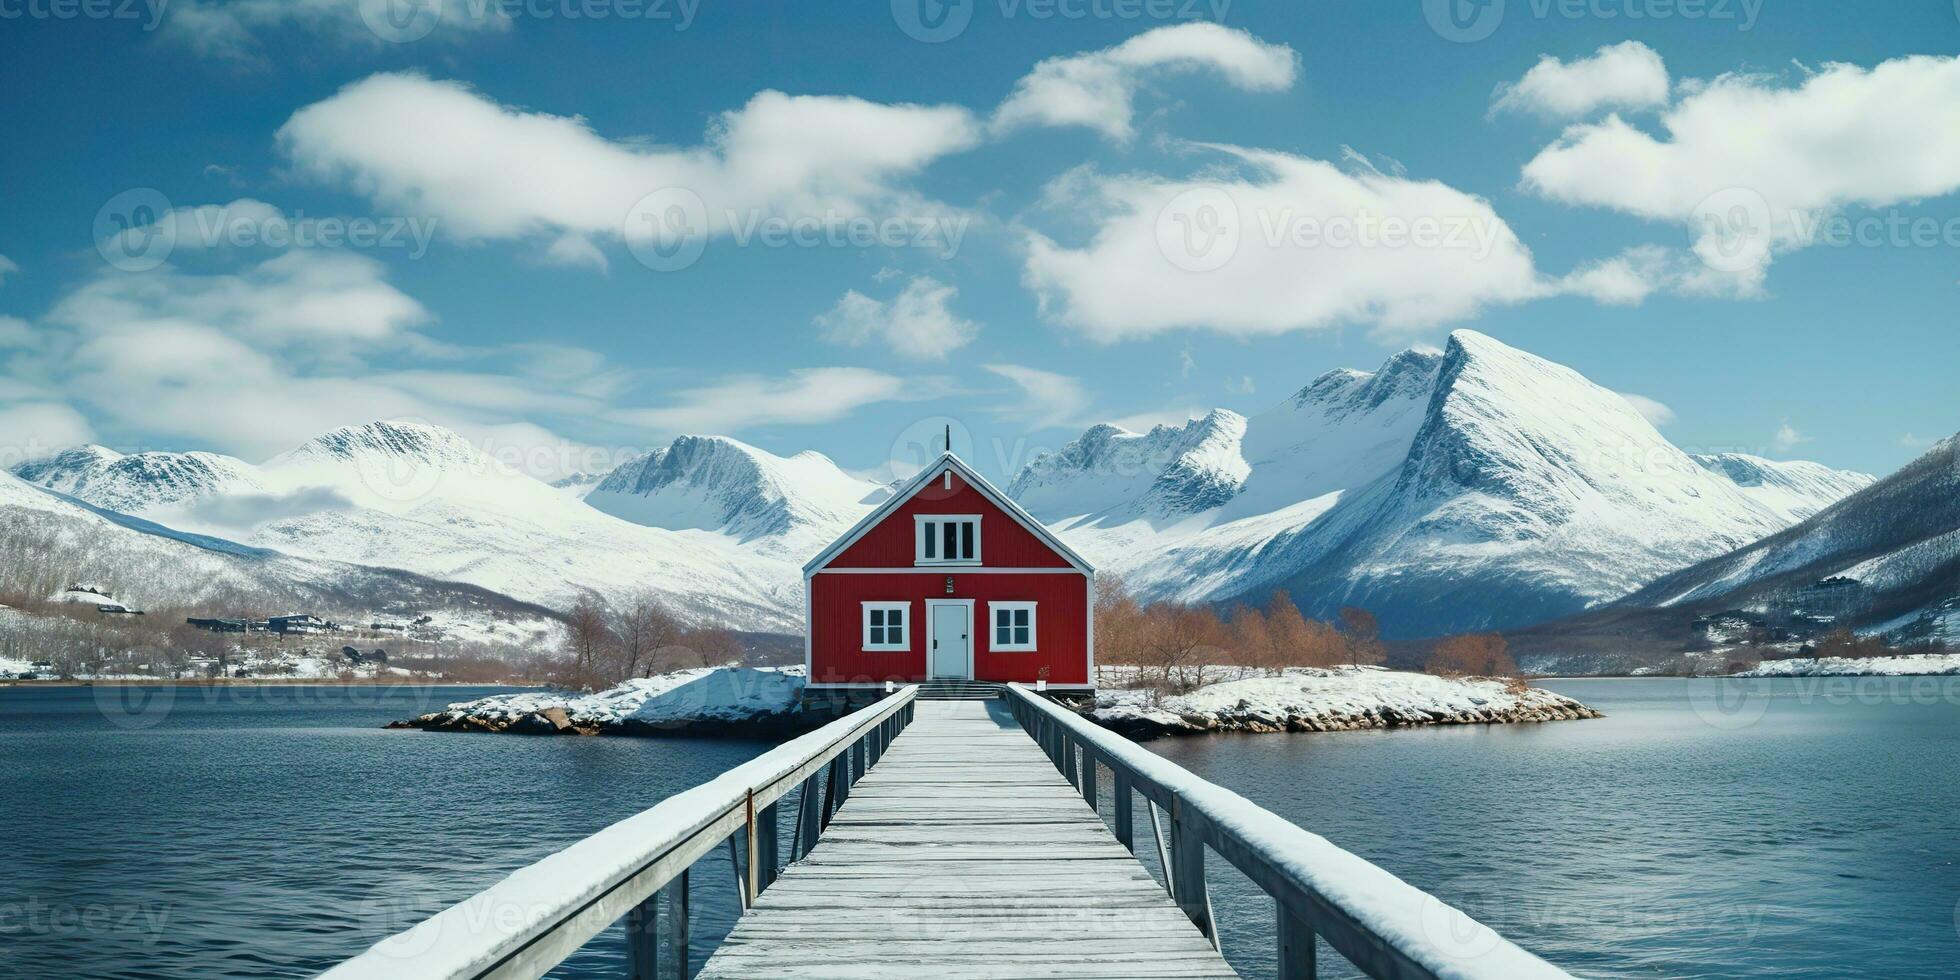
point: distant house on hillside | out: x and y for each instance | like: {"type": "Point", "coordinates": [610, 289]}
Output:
{"type": "Point", "coordinates": [218, 625]}
{"type": "Point", "coordinates": [298, 623]}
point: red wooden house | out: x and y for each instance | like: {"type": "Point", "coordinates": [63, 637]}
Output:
{"type": "Point", "coordinates": [949, 579]}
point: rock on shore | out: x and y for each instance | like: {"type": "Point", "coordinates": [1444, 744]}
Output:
{"type": "Point", "coordinates": [735, 701]}
{"type": "Point", "coordinates": [1343, 699]}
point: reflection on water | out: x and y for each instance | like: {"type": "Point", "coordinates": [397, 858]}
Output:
{"type": "Point", "coordinates": [1805, 828]}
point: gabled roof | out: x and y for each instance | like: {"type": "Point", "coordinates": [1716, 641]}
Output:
{"type": "Point", "coordinates": [947, 461]}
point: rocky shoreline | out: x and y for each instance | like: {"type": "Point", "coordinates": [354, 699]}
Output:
{"type": "Point", "coordinates": [748, 702]}
{"type": "Point", "coordinates": [1348, 699]}
{"type": "Point", "coordinates": [714, 702]}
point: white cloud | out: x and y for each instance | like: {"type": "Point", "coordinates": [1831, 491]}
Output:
{"type": "Point", "coordinates": [1787, 437]}
{"type": "Point", "coordinates": [574, 250]}
{"type": "Point", "coordinates": [7, 268]}
{"type": "Point", "coordinates": [1748, 164]}
{"type": "Point", "coordinates": [32, 430]}
{"type": "Point", "coordinates": [1048, 399]}
{"type": "Point", "coordinates": [14, 332]}
{"type": "Point", "coordinates": [1656, 413]}
{"type": "Point", "coordinates": [1297, 245]}
{"type": "Point", "coordinates": [304, 295]}
{"type": "Point", "coordinates": [1097, 88]}
{"type": "Point", "coordinates": [917, 323]}
{"type": "Point", "coordinates": [254, 360]}
{"type": "Point", "coordinates": [1628, 75]}
{"type": "Point", "coordinates": [806, 397]}
{"type": "Point", "coordinates": [236, 29]}
{"type": "Point", "coordinates": [424, 147]}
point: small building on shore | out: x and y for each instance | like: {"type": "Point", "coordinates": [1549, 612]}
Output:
{"type": "Point", "coordinates": [948, 580]}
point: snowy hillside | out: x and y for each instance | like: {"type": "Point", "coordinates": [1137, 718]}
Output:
{"type": "Point", "coordinates": [48, 543]}
{"type": "Point", "coordinates": [1885, 558]}
{"type": "Point", "coordinates": [783, 508]}
{"type": "Point", "coordinates": [423, 499]}
{"type": "Point", "coordinates": [1476, 487]}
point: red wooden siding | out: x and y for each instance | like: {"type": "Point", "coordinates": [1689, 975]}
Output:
{"type": "Point", "coordinates": [837, 625]}
{"type": "Point", "coordinates": [1004, 543]}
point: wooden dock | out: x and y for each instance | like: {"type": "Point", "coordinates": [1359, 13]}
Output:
{"type": "Point", "coordinates": [964, 853]}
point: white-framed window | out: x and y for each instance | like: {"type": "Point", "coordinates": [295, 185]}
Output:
{"type": "Point", "coordinates": [886, 626]}
{"type": "Point", "coordinates": [946, 539]}
{"type": "Point", "coordinates": [1012, 626]}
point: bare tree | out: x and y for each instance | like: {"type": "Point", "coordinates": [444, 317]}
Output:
{"type": "Point", "coordinates": [586, 638]}
{"type": "Point", "coordinates": [1364, 636]}
{"type": "Point", "coordinates": [1476, 655]}
{"type": "Point", "coordinates": [639, 628]}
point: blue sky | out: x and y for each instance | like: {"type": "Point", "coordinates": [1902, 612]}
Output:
{"type": "Point", "coordinates": [498, 162]}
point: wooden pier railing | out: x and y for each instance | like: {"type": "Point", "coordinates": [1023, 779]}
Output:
{"type": "Point", "coordinates": [531, 921]}
{"type": "Point", "coordinates": [1386, 927]}
{"type": "Point", "coordinates": [962, 855]}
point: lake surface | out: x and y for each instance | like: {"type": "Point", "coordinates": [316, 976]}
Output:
{"type": "Point", "coordinates": [1806, 828]}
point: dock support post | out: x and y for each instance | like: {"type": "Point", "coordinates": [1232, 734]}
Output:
{"type": "Point", "coordinates": [643, 940]}
{"type": "Point", "coordinates": [1125, 825]}
{"type": "Point", "coordinates": [1296, 947]}
{"type": "Point", "coordinates": [808, 812]}
{"type": "Point", "coordinates": [1089, 776]}
{"type": "Point", "coordinates": [857, 761]}
{"type": "Point", "coordinates": [1187, 872]}
{"type": "Point", "coordinates": [1068, 760]}
{"type": "Point", "coordinates": [677, 921]}
{"type": "Point", "coordinates": [767, 846]}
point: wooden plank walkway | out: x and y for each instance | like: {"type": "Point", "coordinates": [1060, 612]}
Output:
{"type": "Point", "coordinates": [964, 854]}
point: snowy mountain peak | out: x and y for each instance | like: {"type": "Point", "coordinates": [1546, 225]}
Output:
{"type": "Point", "coordinates": [137, 481]}
{"type": "Point", "coordinates": [717, 483]}
{"type": "Point", "coordinates": [1115, 473]}
{"type": "Point", "coordinates": [410, 441]}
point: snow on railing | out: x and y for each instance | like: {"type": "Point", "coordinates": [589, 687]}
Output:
{"type": "Point", "coordinates": [1385, 926]}
{"type": "Point", "coordinates": [532, 920]}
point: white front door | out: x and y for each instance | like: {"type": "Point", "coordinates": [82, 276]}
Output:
{"type": "Point", "coordinates": [949, 643]}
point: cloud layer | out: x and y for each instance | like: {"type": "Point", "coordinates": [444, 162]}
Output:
{"type": "Point", "coordinates": [1628, 75]}
{"type": "Point", "coordinates": [1097, 89]}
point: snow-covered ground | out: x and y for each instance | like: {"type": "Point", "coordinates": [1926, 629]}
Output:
{"type": "Point", "coordinates": [1340, 699]}
{"type": "Point", "coordinates": [1901, 666]}
{"type": "Point", "coordinates": [725, 698]}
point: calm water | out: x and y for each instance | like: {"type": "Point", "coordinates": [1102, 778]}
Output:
{"type": "Point", "coordinates": [1811, 830]}
{"type": "Point", "coordinates": [1705, 828]}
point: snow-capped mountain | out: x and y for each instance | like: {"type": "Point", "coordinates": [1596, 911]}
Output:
{"type": "Point", "coordinates": [49, 541]}
{"type": "Point", "coordinates": [139, 481]}
{"type": "Point", "coordinates": [719, 532]}
{"type": "Point", "coordinates": [1472, 488]}
{"type": "Point", "coordinates": [1884, 558]}
{"type": "Point", "coordinates": [783, 508]}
